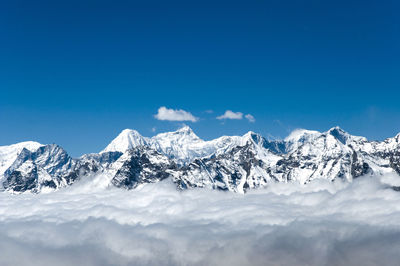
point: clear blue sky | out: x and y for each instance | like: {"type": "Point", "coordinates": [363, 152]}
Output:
{"type": "Point", "coordinates": [76, 73]}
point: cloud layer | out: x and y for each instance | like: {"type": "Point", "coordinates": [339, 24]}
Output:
{"type": "Point", "coordinates": [174, 115]}
{"type": "Point", "coordinates": [321, 223]}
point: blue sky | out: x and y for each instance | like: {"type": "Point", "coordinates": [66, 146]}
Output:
{"type": "Point", "coordinates": [76, 73]}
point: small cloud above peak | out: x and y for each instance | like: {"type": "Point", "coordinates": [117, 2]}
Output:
{"type": "Point", "coordinates": [250, 118]}
{"type": "Point", "coordinates": [167, 114]}
{"type": "Point", "coordinates": [231, 115]}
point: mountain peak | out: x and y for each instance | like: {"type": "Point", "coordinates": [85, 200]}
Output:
{"type": "Point", "coordinates": [127, 139]}
{"type": "Point", "coordinates": [129, 131]}
{"type": "Point", "coordinates": [8, 154]}
{"type": "Point", "coordinates": [301, 134]}
{"type": "Point", "coordinates": [30, 145]}
{"type": "Point", "coordinates": [337, 128]}
{"type": "Point", "coordinates": [298, 137]}
{"type": "Point", "coordinates": [185, 130]}
{"type": "Point", "coordinates": [337, 131]}
{"type": "Point", "coordinates": [343, 136]}
{"type": "Point", "coordinates": [251, 135]}
{"type": "Point", "coordinates": [339, 134]}
{"type": "Point", "coordinates": [183, 135]}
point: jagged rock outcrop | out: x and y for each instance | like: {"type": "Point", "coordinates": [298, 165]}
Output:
{"type": "Point", "coordinates": [50, 167]}
{"type": "Point", "coordinates": [239, 169]}
{"type": "Point", "coordinates": [143, 165]}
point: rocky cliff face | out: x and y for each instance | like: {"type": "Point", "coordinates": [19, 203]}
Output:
{"type": "Point", "coordinates": [142, 165]}
{"type": "Point", "coordinates": [50, 167]}
{"type": "Point", "coordinates": [234, 163]}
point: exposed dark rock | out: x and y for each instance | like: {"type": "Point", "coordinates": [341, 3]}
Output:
{"type": "Point", "coordinates": [143, 165]}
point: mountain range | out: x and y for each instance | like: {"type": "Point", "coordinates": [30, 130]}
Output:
{"type": "Point", "coordinates": [232, 163]}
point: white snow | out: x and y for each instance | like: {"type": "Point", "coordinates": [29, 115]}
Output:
{"type": "Point", "coordinates": [8, 154]}
{"type": "Point", "coordinates": [126, 140]}
{"type": "Point", "coordinates": [242, 160]}
{"type": "Point", "coordinates": [183, 145]}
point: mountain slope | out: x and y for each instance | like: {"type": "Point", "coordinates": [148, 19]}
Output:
{"type": "Point", "coordinates": [8, 154]}
{"type": "Point", "coordinates": [240, 168]}
{"type": "Point", "coordinates": [142, 165]}
{"type": "Point", "coordinates": [321, 155]}
{"type": "Point", "coordinates": [50, 167]}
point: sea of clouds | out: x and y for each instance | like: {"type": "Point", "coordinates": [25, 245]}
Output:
{"type": "Point", "coordinates": [321, 223]}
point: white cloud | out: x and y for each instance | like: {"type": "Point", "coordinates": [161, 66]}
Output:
{"type": "Point", "coordinates": [250, 118]}
{"type": "Point", "coordinates": [321, 223]}
{"type": "Point", "coordinates": [174, 115]}
{"type": "Point", "coordinates": [231, 115]}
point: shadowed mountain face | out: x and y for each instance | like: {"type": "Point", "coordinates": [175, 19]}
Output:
{"type": "Point", "coordinates": [234, 163]}
{"type": "Point", "coordinates": [143, 165]}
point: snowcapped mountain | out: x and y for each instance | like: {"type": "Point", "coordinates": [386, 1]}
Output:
{"type": "Point", "coordinates": [234, 163]}
{"type": "Point", "coordinates": [8, 154]}
{"type": "Point", "coordinates": [312, 155]}
{"type": "Point", "coordinates": [127, 139]}
{"type": "Point", "coordinates": [142, 165]}
{"type": "Point", "coordinates": [182, 145]}
{"type": "Point", "coordinates": [50, 167]}
{"type": "Point", "coordinates": [240, 168]}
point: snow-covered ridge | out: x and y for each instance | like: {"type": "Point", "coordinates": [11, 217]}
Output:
{"type": "Point", "coordinates": [8, 154]}
{"type": "Point", "coordinates": [183, 145]}
{"type": "Point", "coordinates": [234, 163]}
